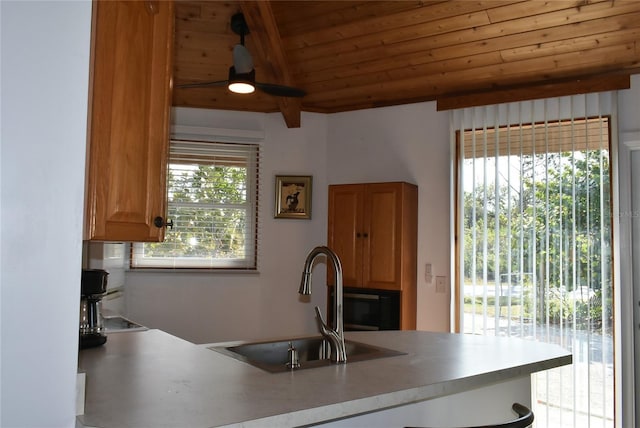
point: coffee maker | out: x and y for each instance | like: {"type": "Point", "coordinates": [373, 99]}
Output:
{"type": "Point", "coordinates": [93, 288]}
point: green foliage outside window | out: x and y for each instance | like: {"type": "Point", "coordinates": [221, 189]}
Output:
{"type": "Point", "coordinates": [550, 225]}
{"type": "Point", "coordinates": [209, 208]}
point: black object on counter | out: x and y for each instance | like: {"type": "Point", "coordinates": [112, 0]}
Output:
{"type": "Point", "coordinates": [93, 287]}
{"type": "Point", "coordinates": [94, 281]}
{"type": "Point", "coordinates": [92, 340]}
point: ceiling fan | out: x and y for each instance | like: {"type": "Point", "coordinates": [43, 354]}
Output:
{"type": "Point", "coordinates": [242, 74]}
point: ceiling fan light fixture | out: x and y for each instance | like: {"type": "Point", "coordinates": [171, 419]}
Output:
{"type": "Point", "coordinates": [241, 87]}
{"type": "Point", "coordinates": [242, 75]}
{"type": "Point", "coordinates": [241, 83]}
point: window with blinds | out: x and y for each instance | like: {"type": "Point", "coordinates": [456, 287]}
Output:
{"type": "Point", "coordinates": [534, 247]}
{"type": "Point", "coordinates": [213, 203]}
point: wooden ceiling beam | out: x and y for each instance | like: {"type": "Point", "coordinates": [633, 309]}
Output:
{"type": "Point", "coordinates": [266, 38]}
{"type": "Point", "coordinates": [532, 92]}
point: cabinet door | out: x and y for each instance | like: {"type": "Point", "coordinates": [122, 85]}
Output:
{"type": "Point", "coordinates": [130, 100]}
{"type": "Point", "coordinates": [383, 217]}
{"type": "Point", "coordinates": [346, 231]}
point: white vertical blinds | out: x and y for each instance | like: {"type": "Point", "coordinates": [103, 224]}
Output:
{"type": "Point", "coordinates": [534, 243]}
{"type": "Point", "coordinates": [213, 191]}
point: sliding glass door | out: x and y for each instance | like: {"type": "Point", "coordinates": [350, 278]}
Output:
{"type": "Point", "coordinates": [534, 243]}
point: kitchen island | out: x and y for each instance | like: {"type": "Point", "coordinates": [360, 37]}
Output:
{"type": "Point", "coordinates": [153, 379]}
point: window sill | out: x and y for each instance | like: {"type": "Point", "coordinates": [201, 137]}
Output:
{"type": "Point", "coordinates": [205, 271]}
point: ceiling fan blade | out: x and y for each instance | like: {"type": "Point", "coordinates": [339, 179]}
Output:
{"type": "Point", "coordinates": [280, 90]}
{"type": "Point", "coordinates": [242, 60]}
{"type": "Point", "coordinates": [203, 84]}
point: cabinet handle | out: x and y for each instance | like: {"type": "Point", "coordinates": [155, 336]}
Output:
{"type": "Point", "coordinates": [366, 235]}
{"type": "Point", "coordinates": [159, 222]}
{"type": "Point", "coordinates": [358, 235]}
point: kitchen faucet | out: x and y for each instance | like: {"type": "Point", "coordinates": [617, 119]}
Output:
{"type": "Point", "coordinates": [336, 336]}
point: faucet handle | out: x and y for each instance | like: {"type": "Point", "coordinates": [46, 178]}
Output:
{"type": "Point", "coordinates": [323, 325]}
{"type": "Point", "coordinates": [338, 351]}
{"type": "Point", "coordinates": [328, 333]}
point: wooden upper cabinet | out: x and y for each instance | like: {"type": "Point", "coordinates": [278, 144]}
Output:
{"type": "Point", "coordinates": [344, 226]}
{"type": "Point", "coordinates": [373, 229]}
{"type": "Point", "coordinates": [129, 119]}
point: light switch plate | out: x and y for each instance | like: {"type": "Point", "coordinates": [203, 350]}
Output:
{"type": "Point", "coordinates": [428, 277]}
{"type": "Point", "coordinates": [440, 284]}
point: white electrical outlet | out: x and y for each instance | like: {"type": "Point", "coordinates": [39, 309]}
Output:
{"type": "Point", "coordinates": [440, 284]}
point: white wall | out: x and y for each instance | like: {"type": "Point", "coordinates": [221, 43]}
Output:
{"type": "Point", "coordinates": [212, 307]}
{"type": "Point", "coordinates": [404, 143]}
{"type": "Point", "coordinates": [628, 264]}
{"type": "Point", "coordinates": [629, 107]}
{"type": "Point", "coordinates": [45, 60]}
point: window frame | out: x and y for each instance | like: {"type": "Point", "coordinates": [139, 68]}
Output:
{"type": "Point", "coordinates": [251, 158]}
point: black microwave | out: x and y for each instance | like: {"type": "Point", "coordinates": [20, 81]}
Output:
{"type": "Point", "coordinates": [368, 309]}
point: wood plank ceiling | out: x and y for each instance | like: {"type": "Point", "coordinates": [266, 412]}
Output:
{"type": "Point", "coordinates": [350, 55]}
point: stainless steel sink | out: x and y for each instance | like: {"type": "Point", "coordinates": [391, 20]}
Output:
{"type": "Point", "coordinates": [115, 324]}
{"type": "Point", "coordinates": [311, 352]}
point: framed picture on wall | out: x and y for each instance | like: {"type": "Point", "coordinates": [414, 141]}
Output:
{"type": "Point", "coordinates": [293, 196]}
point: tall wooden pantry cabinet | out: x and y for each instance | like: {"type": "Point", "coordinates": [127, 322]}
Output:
{"type": "Point", "coordinates": [373, 228]}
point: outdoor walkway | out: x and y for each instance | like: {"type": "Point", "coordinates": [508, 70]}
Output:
{"type": "Point", "coordinates": [586, 385]}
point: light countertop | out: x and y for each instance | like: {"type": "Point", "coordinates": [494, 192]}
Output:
{"type": "Point", "coordinates": [153, 379]}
